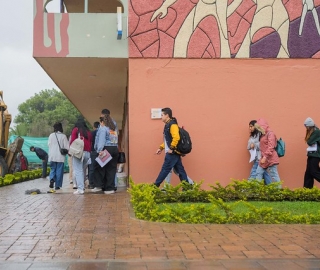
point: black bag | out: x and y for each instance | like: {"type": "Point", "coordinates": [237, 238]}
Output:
{"type": "Point", "coordinates": [184, 145]}
{"type": "Point", "coordinates": [121, 157]}
{"type": "Point", "coordinates": [64, 151]}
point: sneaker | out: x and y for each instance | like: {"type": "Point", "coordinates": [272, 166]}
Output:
{"type": "Point", "coordinates": [90, 187]}
{"type": "Point", "coordinates": [75, 186]}
{"type": "Point", "coordinates": [57, 188]}
{"type": "Point", "coordinates": [78, 192]}
{"type": "Point", "coordinates": [96, 189]}
{"type": "Point", "coordinates": [71, 182]}
{"type": "Point", "coordinates": [109, 192]}
{"type": "Point", "coordinates": [115, 189]}
{"type": "Point", "coordinates": [51, 191]}
{"type": "Point", "coordinates": [51, 183]}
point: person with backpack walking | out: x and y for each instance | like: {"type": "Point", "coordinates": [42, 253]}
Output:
{"type": "Point", "coordinates": [254, 144]}
{"type": "Point", "coordinates": [56, 141]}
{"type": "Point", "coordinates": [269, 158]}
{"type": "Point", "coordinates": [80, 163]}
{"type": "Point", "coordinates": [173, 157]}
{"type": "Point", "coordinates": [106, 139]}
{"type": "Point", "coordinates": [312, 139]}
{"type": "Point", "coordinates": [43, 155]}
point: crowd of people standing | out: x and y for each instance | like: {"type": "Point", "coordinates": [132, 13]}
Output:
{"type": "Point", "coordinates": [103, 137]}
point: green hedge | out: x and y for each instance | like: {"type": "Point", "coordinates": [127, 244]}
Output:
{"type": "Point", "coordinates": [152, 204]}
{"type": "Point", "coordinates": [18, 177]}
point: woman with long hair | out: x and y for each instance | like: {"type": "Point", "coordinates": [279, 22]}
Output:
{"type": "Point", "coordinates": [106, 139]}
{"type": "Point", "coordinates": [79, 165]}
{"type": "Point", "coordinates": [254, 143]}
{"type": "Point", "coordinates": [312, 139]}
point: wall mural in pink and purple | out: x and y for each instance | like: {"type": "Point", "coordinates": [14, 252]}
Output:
{"type": "Point", "coordinates": [224, 28]}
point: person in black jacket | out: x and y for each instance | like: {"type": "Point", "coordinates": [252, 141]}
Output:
{"type": "Point", "coordinates": [313, 152]}
{"type": "Point", "coordinates": [93, 155]}
{"type": "Point", "coordinates": [43, 155]}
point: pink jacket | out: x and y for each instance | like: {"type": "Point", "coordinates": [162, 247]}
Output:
{"type": "Point", "coordinates": [268, 142]}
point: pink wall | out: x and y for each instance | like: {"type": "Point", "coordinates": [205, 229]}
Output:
{"type": "Point", "coordinates": [215, 100]}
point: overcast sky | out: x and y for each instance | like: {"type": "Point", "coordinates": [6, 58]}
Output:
{"type": "Point", "coordinates": [20, 74]}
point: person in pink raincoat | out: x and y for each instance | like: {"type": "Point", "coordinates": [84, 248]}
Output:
{"type": "Point", "coordinates": [269, 160]}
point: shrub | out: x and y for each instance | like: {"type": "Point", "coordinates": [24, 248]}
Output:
{"type": "Point", "coordinates": [150, 203]}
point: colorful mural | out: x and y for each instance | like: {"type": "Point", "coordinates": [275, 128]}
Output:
{"type": "Point", "coordinates": [224, 28]}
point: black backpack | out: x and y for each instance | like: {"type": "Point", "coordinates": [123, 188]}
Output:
{"type": "Point", "coordinates": [184, 145]}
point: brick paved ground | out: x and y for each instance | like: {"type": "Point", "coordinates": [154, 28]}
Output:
{"type": "Point", "coordinates": [98, 231]}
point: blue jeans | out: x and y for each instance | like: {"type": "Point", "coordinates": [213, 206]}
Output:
{"type": "Point", "coordinates": [44, 167]}
{"type": "Point", "coordinates": [273, 170]}
{"type": "Point", "coordinates": [253, 173]}
{"type": "Point", "coordinates": [171, 161]}
{"type": "Point", "coordinates": [168, 178]}
{"type": "Point", "coordinates": [56, 173]}
{"type": "Point", "coordinates": [79, 169]}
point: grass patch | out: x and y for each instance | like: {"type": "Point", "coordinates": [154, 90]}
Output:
{"type": "Point", "coordinates": [240, 207]}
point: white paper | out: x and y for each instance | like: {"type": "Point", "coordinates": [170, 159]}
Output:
{"type": "Point", "coordinates": [312, 148]}
{"type": "Point", "coordinates": [103, 163]}
{"type": "Point", "coordinates": [253, 153]}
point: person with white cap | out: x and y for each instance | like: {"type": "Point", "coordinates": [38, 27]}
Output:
{"type": "Point", "coordinates": [313, 152]}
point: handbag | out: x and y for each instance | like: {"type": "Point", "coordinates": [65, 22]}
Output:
{"type": "Point", "coordinates": [63, 151]}
{"type": "Point", "coordinates": [122, 157]}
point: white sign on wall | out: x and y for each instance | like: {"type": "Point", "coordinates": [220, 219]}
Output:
{"type": "Point", "coordinates": [156, 113]}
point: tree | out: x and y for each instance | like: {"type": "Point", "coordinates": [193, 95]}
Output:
{"type": "Point", "coordinates": [38, 114]}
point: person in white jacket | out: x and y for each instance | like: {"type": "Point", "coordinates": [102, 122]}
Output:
{"type": "Point", "coordinates": [56, 141]}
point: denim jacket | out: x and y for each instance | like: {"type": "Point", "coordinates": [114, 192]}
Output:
{"type": "Point", "coordinates": [105, 137]}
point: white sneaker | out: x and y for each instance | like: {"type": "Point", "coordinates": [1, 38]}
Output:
{"type": "Point", "coordinates": [109, 192]}
{"type": "Point", "coordinates": [78, 192]}
{"type": "Point", "coordinates": [96, 189]}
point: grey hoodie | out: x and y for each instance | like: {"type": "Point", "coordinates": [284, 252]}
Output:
{"type": "Point", "coordinates": [256, 142]}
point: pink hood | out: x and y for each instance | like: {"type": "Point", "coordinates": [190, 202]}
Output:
{"type": "Point", "coordinates": [264, 124]}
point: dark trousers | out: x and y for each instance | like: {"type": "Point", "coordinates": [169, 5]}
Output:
{"type": "Point", "coordinates": [104, 177]}
{"type": "Point", "coordinates": [312, 172]}
{"type": "Point", "coordinates": [171, 161]}
{"type": "Point", "coordinates": [44, 167]}
{"type": "Point", "coordinates": [91, 167]}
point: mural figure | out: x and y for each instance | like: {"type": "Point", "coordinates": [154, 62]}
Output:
{"type": "Point", "coordinates": [271, 14]}
{"type": "Point", "coordinates": [308, 5]}
{"type": "Point", "coordinates": [57, 20]}
{"type": "Point", "coordinates": [217, 8]}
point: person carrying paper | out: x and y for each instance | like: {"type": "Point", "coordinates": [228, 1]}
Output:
{"type": "Point", "coordinates": [312, 139]}
{"type": "Point", "coordinates": [106, 139]}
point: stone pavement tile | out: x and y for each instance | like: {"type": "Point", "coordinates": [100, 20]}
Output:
{"type": "Point", "coordinates": [242, 264]}
{"type": "Point", "coordinates": [255, 254]}
{"type": "Point", "coordinates": [280, 264]}
{"type": "Point", "coordinates": [49, 266]}
{"type": "Point", "coordinates": [166, 265]}
{"type": "Point", "coordinates": [204, 265]}
{"type": "Point", "coordinates": [88, 266]}
{"type": "Point", "coordinates": [15, 266]}
{"type": "Point", "coordinates": [309, 263]}
{"type": "Point", "coordinates": [127, 266]}
{"type": "Point", "coordinates": [127, 253]}
{"type": "Point", "coordinates": [154, 255]}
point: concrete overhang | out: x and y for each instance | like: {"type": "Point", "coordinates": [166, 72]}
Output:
{"type": "Point", "coordinates": [91, 84]}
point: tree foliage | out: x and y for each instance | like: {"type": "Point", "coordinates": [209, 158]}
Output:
{"type": "Point", "coordinates": [38, 114]}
